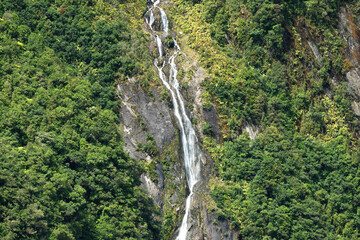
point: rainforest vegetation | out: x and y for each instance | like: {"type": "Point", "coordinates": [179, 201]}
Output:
{"type": "Point", "coordinates": [64, 173]}
{"type": "Point", "coordinates": [299, 179]}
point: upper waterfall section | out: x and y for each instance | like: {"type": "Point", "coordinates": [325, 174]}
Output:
{"type": "Point", "coordinates": [157, 24]}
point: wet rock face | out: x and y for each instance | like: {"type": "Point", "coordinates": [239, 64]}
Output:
{"type": "Point", "coordinates": [204, 224]}
{"type": "Point", "coordinates": [142, 115]}
{"type": "Point", "coordinates": [157, 26]}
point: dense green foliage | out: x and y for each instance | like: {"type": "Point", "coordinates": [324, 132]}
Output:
{"type": "Point", "coordinates": [263, 35]}
{"type": "Point", "coordinates": [299, 179]}
{"type": "Point", "coordinates": [290, 188]}
{"type": "Point", "coordinates": [63, 171]}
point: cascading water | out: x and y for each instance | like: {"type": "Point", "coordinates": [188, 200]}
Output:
{"type": "Point", "coordinates": [151, 20]}
{"type": "Point", "coordinates": [165, 23]}
{"type": "Point", "coordinates": [159, 44]}
{"type": "Point", "coordinates": [190, 147]}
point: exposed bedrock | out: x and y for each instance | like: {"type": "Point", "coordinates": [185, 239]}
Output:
{"type": "Point", "coordinates": [349, 30]}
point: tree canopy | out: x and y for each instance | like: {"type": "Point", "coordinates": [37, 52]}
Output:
{"type": "Point", "coordinates": [63, 172]}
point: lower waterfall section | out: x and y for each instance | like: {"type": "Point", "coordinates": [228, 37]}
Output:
{"type": "Point", "coordinates": [189, 142]}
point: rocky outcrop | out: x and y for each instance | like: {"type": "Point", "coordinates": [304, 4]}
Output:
{"type": "Point", "coordinates": [356, 107]}
{"type": "Point", "coordinates": [188, 63]}
{"type": "Point", "coordinates": [142, 115]}
{"type": "Point", "coordinates": [350, 32]}
{"type": "Point", "coordinates": [204, 224]}
{"type": "Point", "coordinates": [153, 190]}
{"type": "Point", "coordinates": [353, 76]}
{"type": "Point", "coordinates": [217, 228]}
{"type": "Point", "coordinates": [145, 113]}
{"type": "Point", "coordinates": [315, 51]}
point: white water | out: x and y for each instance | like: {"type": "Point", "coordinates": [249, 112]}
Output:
{"type": "Point", "coordinates": [191, 150]}
{"type": "Point", "coordinates": [164, 20]}
{"type": "Point", "coordinates": [159, 44]}
{"type": "Point", "coordinates": [152, 19]}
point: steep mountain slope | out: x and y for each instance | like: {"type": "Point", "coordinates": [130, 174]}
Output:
{"type": "Point", "coordinates": [151, 115]}
{"type": "Point", "coordinates": [88, 128]}
{"type": "Point", "coordinates": [63, 172]}
{"type": "Point", "coordinates": [283, 73]}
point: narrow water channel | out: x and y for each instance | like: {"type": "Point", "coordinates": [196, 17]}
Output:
{"type": "Point", "coordinates": [189, 141]}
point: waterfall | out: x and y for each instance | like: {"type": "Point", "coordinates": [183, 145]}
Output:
{"type": "Point", "coordinates": [159, 45]}
{"type": "Point", "coordinates": [189, 143]}
{"type": "Point", "coordinates": [164, 20]}
{"type": "Point", "coordinates": [151, 20]}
